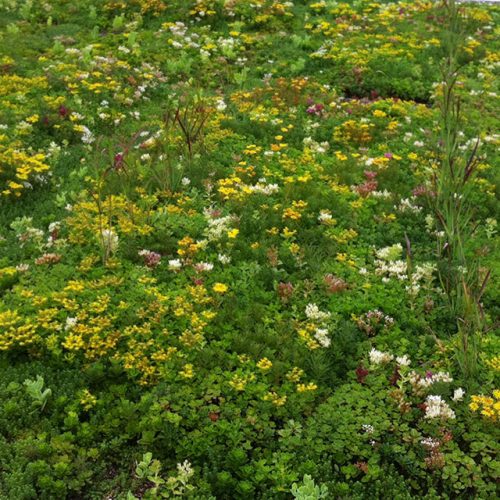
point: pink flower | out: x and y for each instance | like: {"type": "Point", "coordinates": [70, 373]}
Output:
{"type": "Point", "coordinates": [151, 259]}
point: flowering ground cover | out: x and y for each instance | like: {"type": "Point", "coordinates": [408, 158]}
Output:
{"type": "Point", "coordinates": [248, 249]}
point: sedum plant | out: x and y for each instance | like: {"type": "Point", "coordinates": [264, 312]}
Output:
{"type": "Point", "coordinates": [308, 490]}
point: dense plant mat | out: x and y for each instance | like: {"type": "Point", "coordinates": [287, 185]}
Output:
{"type": "Point", "coordinates": [221, 255]}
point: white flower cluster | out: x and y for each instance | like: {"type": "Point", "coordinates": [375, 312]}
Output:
{"type": "Point", "coordinates": [322, 336]}
{"type": "Point", "coordinates": [54, 228]}
{"type": "Point", "coordinates": [203, 267]}
{"type": "Point", "coordinates": [421, 274]}
{"type": "Point", "coordinates": [220, 105]}
{"type": "Point", "coordinates": [316, 147]}
{"type": "Point", "coordinates": [87, 135]}
{"type": "Point", "coordinates": [185, 469]}
{"type": "Point", "coordinates": [390, 253]}
{"type": "Point", "coordinates": [321, 333]}
{"type": "Point", "coordinates": [217, 226]}
{"type": "Point", "coordinates": [389, 265]}
{"type": "Point", "coordinates": [26, 233]}
{"type": "Point", "coordinates": [181, 38]}
{"type": "Point", "coordinates": [435, 407]}
{"type": "Point", "coordinates": [392, 269]}
{"type": "Point", "coordinates": [408, 205]}
{"type": "Point", "coordinates": [403, 360]}
{"type": "Point", "coordinates": [223, 259]}
{"type": "Point", "coordinates": [380, 357]}
{"type": "Point", "coordinates": [313, 313]}
{"type": "Point", "coordinates": [109, 241]}
{"type": "Point", "coordinates": [263, 188]}
{"type": "Point", "coordinates": [429, 443]}
{"type": "Point", "coordinates": [381, 194]}
{"type": "Point", "coordinates": [70, 323]}
{"type": "Point", "coordinates": [174, 264]}
{"type": "Point", "coordinates": [325, 217]}
{"type": "Point", "coordinates": [429, 379]}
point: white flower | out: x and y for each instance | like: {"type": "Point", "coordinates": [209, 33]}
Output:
{"type": "Point", "coordinates": [109, 241]}
{"type": "Point", "coordinates": [391, 253]}
{"type": "Point", "coordinates": [185, 469]}
{"type": "Point", "coordinates": [379, 357]}
{"type": "Point", "coordinates": [174, 264]}
{"type": "Point", "coordinates": [313, 313]}
{"type": "Point", "coordinates": [221, 105]}
{"type": "Point", "coordinates": [54, 226]}
{"type": "Point", "coordinates": [321, 335]}
{"type": "Point", "coordinates": [87, 136]}
{"type": "Point", "coordinates": [368, 428]}
{"type": "Point", "coordinates": [224, 259]}
{"type": "Point", "coordinates": [458, 394]}
{"type": "Point", "coordinates": [217, 226]}
{"type": "Point", "coordinates": [430, 378]}
{"type": "Point", "coordinates": [70, 323]}
{"type": "Point", "coordinates": [203, 266]}
{"type": "Point", "coordinates": [403, 360]}
{"type": "Point", "coordinates": [437, 408]}
{"type": "Point", "coordinates": [407, 205]}
{"type": "Point", "coordinates": [325, 217]}
{"type": "Point", "coordinates": [263, 188]}
{"type": "Point", "coordinates": [185, 181]}
{"type": "Point", "coordinates": [429, 442]}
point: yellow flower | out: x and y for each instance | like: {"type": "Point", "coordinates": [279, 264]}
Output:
{"type": "Point", "coordinates": [233, 233]}
{"type": "Point", "coordinates": [239, 382]}
{"type": "Point", "coordinates": [306, 387]}
{"type": "Point", "coordinates": [287, 233]}
{"type": "Point", "coordinates": [220, 288]}
{"type": "Point", "coordinates": [274, 398]}
{"type": "Point", "coordinates": [489, 407]}
{"type": "Point", "coordinates": [187, 371]}
{"type": "Point", "coordinates": [87, 400]}
{"type": "Point", "coordinates": [290, 213]}
{"type": "Point", "coordinates": [264, 364]}
{"type": "Point", "coordinates": [294, 374]}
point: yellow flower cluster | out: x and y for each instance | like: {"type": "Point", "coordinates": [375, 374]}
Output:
{"type": "Point", "coordinates": [275, 399]}
{"type": "Point", "coordinates": [264, 364]}
{"type": "Point", "coordinates": [488, 406]}
{"type": "Point", "coordinates": [306, 334]}
{"type": "Point", "coordinates": [19, 167]}
{"type": "Point", "coordinates": [295, 374]}
{"type": "Point", "coordinates": [352, 131]}
{"type": "Point", "coordinates": [239, 382]}
{"type": "Point", "coordinates": [295, 211]}
{"type": "Point", "coordinates": [307, 387]}
{"type": "Point", "coordinates": [494, 363]}
{"type": "Point", "coordinates": [187, 371]}
{"type": "Point", "coordinates": [87, 400]}
{"type": "Point", "coordinates": [85, 318]}
{"type": "Point", "coordinates": [88, 218]}
{"type": "Point", "coordinates": [16, 331]}
{"type": "Point", "coordinates": [220, 288]}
